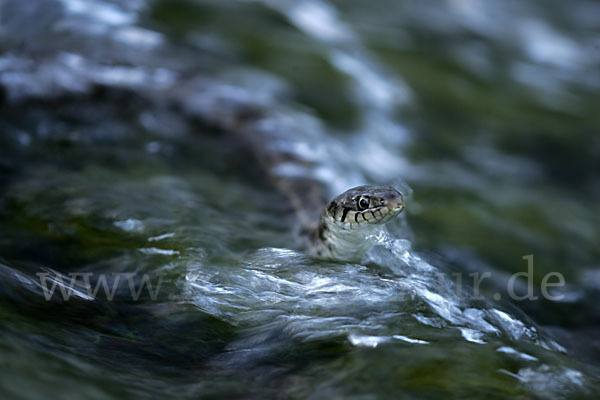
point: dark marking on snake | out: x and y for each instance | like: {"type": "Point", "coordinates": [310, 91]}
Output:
{"type": "Point", "coordinates": [344, 214]}
{"type": "Point", "coordinates": [322, 229]}
{"type": "Point", "coordinates": [331, 208]}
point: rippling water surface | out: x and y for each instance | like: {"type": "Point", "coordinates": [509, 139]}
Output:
{"type": "Point", "coordinates": [150, 159]}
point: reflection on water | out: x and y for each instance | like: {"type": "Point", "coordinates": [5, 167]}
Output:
{"type": "Point", "coordinates": [186, 141]}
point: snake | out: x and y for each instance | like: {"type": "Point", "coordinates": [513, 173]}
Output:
{"type": "Point", "coordinates": [344, 229]}
{"type": "Point", "coordinates": [351, 219]}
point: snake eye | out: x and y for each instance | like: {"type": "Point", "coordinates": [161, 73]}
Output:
{"type": "Point", "coordinates": [363, 203]}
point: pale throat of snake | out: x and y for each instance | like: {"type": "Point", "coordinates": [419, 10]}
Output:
{"type": "Point", "coordinates": [352, 219]}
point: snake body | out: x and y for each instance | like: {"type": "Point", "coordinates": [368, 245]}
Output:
{"type": "Point", "coordinates": [350, 221]}
{"type": "Point", "coordinates": [282, 140]}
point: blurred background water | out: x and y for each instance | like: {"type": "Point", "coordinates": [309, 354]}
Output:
{"type": "Point", "coordinates": [155, 136]}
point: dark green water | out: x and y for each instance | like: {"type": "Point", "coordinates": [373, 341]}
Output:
{"type": "Point", "coordinates": [124, 158]}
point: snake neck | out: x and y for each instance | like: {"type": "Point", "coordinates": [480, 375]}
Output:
{"type": "Point", "coordinates": [342, 241]}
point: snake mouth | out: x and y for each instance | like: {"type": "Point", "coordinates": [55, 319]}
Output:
{"type": "Point", "coordinates": [381, 215]}
{"type": "Point", "coordinates": [397, 208]}
{"type": "Point", "coordinates": [395, 203]}
{"type": "Point", "coordinates": [394, 207]}
{"type": "Point", "coordinates": [386, 214]}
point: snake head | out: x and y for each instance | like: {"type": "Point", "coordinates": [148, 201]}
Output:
{"type": "Point", "coordinates": [366, 205]}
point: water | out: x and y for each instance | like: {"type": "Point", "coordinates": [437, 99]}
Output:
{"type": "Point", "coordinates": [149, 146]}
